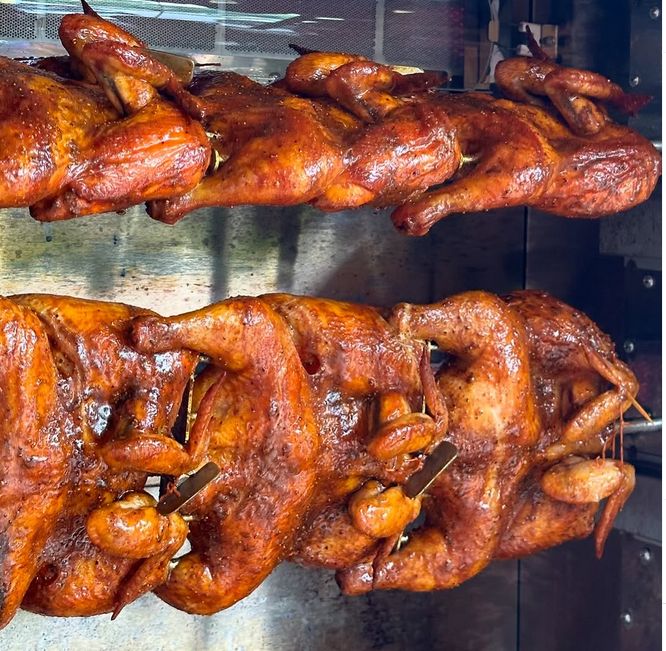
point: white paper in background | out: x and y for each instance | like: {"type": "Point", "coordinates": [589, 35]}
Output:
{"type": "Point", "coordinates": [495, 57]}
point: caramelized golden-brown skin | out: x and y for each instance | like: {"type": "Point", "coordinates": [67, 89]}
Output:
{"type": "Point", "coordinates": [339, 131]}
{"type": "Point", "coordinates": [35, 450]}
{"type": "Point", "coordinates": [274, 147]}
{"type": "Point", "coordinates": [317, 413]}
{"type": "Point", "coordinates": [264, 438]}
{"type": "Point", "coordinates": [77, 389]}
{"type": "Point", "coordinates": [525, 155]}
{"type": "Point", "coordinates": [72, 147]}
{"type": "Point", "coordinates": [516, 412]}
{"type": "Point", "coordinates": [365, 378]}
{"type": "Point", "coordinates": [386, 139]}
{"type": "Point", "coordinates": [572, 92]}
{"type": "Point", "coordinates": [299, 380]}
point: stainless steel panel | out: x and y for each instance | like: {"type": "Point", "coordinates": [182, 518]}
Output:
{"type": "Point", "coordinates": [570, 601]}
{"type": "Point", "coordinates": [645, 71]}
{"type": "Point", "coordinates": [479, 251]}
{"type": "Point", "coordinates": [214, 254]}
{"type": "Point", "coordinates": [636, 236]}
{"type": "Point", "coordinates": [299, 609]}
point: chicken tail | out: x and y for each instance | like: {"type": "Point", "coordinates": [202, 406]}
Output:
{"type": "Point", "coordinates": [300, 50]}
{"type": "Point", "coordinates": [613, 506]}
{"type": "Point", "coordinates": [534, 47]}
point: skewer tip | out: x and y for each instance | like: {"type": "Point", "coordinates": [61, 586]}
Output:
{"type": "Point", "coordinates": [640, 409]}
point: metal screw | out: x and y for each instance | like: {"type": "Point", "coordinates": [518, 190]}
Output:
{"type": "Point", "coordinates": [627, 618]}
{"type": "Point", "coordinates": [634, 81]}
{"type": "Point", "coordinates": [645, 555]}
{"type": "Point", "coordinates": [629, 346]}
{"type": "Point", "coordinates": [648, 281]}
{"type": "Point", "coordinates": [655, 12]}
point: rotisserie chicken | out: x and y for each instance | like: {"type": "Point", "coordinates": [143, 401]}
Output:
{"type": "Point", "coordinates": [74, 147]}
{"type": "Point", "coordinates": [317, 414]}
{"type": "Point", "coordinates": [339, 131]}
{"type": "Point", "coordinates": [87, 418]}
{"type": "Point", "coordinates": [525, 392]}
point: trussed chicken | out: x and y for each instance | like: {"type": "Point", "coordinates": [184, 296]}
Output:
{"type": "Point", "coordinates": [317, 414]}
{"type": "Point", "coordinates": [88, 417]}
{"type": "Point", "coordinates": [339, 132]}
{"type": "Point", "coordinates": [531, 382]}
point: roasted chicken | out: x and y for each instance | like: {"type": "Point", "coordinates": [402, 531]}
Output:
{"type": "Point", "coordinates": [296, 433]}
{"type": "Point", "coordinates": [339, 131]}
{"type": "Point", "coordinates": [87, 418]}
{"type": "Point", "coordinates": [76, 147]}
{"type": "Point", "coordinates": [384, 140]}
{"type": "Point", "coordinates": [317, 414]}
{"type": "Point", "coordinates": [531, 384]}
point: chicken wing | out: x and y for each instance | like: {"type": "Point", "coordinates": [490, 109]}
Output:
{"type": "Point", "coordinates": [339, 131]}
{"type": "Point", "coordinates": [72, 147]}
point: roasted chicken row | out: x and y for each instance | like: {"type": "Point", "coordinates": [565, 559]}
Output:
{"type": "Point", "coordinates": [317, 414]}
{"type": "Point", "coordinates": [110, 126]}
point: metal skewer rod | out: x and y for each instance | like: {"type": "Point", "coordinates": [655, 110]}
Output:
{"type": "Point", "coordinates": [640, 426]}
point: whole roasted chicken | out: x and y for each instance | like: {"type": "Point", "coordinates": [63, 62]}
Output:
{"type": "Point", "coordinates": [97, 140]}
{"type": "Point", "coordinates": [532, 390]}
{"type": "Point", "coordinates": [339, 131]}
{"type": "Point", "coordinates": [312, 392]}
{"type": "Point", "coordinates": [87, 418]}
{"type": "Point", "coordinates": [317, 414]}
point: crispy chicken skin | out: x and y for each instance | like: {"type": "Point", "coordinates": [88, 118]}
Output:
{"type": "Point", "coordinates": [316, 412]}
{"type": "Point", "coordinates": [339, 132]}
{"type": "Point", "coordinates": [75, 147]}
{"type": "Point", "coordinates": [524, 155]}
{"type": "Point", "coordinates": [368, 384]}
{"type": "Point", "coordinates": [301, 382]}
{"type": "Point", "coordinates": [381, 142]}
{"type": "Point", "coordinates": [275, 147]}
{"type": "Point", "coordinates": [531, 381]}
{"type": "Point", "coordinates": [263, 436]}
{"type": "Point", "coordinates": [401, 139]}
{"type": "Point", "coordinates": [35, 451]}
{"type": "Point", "coordinates": [73, 390]}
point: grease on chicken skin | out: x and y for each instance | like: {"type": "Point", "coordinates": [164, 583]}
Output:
{"type": "Point", "coordinates": [103, 393]}
{"type": "Point", "coordinates": [339, 131]}
{"type": "Point", "coordinates": [317, 413]}
{"type": "Point", "coordinates": [516, 414]}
